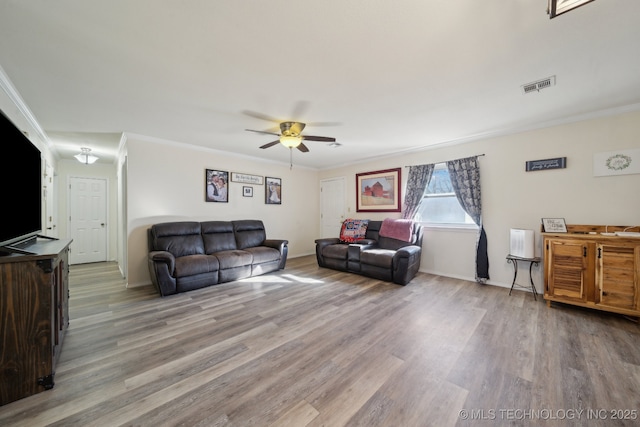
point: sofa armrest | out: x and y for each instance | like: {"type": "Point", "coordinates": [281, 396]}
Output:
{"type": "Point", "coordinates": [320, 245]}
{"type": "Point", "coordinates": [408, 251]}
{"type": "Point", "coordinates": [327, 241]}
{"type": "Point", "coordinates": [164, 257]}
{"type": "Point", "coordinates": [276, 244]}
{"type": "Point", "coordinates": [365, 244]}
{"type": "Point", "coordinates": [282, 246]}
{"type": "Point", "coordinates": [406, 263]}
{"type": "Point", "coordinates": [162, 266]}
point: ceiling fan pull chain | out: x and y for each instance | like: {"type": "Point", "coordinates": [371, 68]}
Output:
{"type": "Point", "coordinates": [290, 158]}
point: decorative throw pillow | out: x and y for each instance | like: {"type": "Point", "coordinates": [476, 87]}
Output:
{"type": "Point", "coordinates": [353, 229]}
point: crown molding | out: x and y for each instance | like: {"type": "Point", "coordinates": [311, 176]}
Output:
{"type": "Point", "coordinates": [12, 93]}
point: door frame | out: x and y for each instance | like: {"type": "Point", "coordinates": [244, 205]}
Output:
{"type": "Point", "coordinates": [344, 205]}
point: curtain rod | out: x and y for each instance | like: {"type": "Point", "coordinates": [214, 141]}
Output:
{"type": "Point", "coordinates": [477, 155]}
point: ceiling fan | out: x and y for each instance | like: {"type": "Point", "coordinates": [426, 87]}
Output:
{"type": "Point", "coordinates": [291, 136]}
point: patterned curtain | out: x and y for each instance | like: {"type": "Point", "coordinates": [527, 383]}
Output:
{"type": "Point", "coordinates": [465, 179]}
{"type": "Point", "coordinates": [417, 182]}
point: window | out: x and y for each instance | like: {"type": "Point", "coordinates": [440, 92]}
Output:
{"type": "Point", "coordinates": [440, 205]}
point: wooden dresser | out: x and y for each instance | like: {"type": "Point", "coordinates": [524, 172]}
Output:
{"type": "Point", "coordinates": [34, 314]}
{"type": "Point", "coordinates": [587, 268]}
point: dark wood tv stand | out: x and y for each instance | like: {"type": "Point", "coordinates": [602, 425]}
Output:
{"type": "Point", "coordinates": [34, 305]}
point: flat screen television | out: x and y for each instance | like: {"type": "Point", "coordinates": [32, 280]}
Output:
{"type": "Point", "coordinates": [21, 177]}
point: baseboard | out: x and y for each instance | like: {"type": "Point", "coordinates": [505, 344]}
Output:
{"type": "Point", "coordinates": [468, 279]}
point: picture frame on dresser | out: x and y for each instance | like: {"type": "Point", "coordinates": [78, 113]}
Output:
{"type": "Point", "coordinates": [558, 7]}
{"type": "Point", "coordinates": [554, 225]}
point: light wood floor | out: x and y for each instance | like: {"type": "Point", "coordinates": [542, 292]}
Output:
{"type": "Point", "coordinates": [310, 347]}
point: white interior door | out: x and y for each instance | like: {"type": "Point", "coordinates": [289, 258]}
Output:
{"type": "Point", "coordinates": [87, 220]}
{"type": "Point", "coordinates": [332, 206]}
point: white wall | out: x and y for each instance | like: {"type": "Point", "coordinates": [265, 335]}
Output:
{"type": "Point", "coordinates": [513, 198]}
{"type": "Point", "coordinates": [166, 182]}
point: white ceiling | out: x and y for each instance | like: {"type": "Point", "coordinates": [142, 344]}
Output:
{"type": "Point", "coordinates": [380, 76]}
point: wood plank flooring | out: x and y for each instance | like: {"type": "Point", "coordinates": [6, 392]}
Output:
{"type": "Point", "coordinates": [315, 347]}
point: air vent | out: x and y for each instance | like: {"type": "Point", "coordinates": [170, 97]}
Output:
{"type": "Point", "coordinates": [539, 85]}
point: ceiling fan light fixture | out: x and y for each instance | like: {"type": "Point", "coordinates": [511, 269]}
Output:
{"type": "Point", "coordinates": [85, 157]}
{"type": "Point", "coordinates": [290, 141]}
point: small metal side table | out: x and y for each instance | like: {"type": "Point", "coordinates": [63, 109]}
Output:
{"type": "Point", "coordinates": [514, 260]}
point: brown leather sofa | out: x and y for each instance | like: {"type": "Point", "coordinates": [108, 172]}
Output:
{"type": "Point", "coordinates": [189, 255]}
{"type": "Point", "coordinates": [376, 256]}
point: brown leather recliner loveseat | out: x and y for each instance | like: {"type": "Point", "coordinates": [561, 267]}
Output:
{"type": "Point", "coordinates": [376, 255]}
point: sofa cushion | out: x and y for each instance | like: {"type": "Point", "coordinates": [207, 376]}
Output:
{"type": "Point", "coordinates": [373, 230]}
{"type": "Point", "coordinates": [218, 236]}
{"type": "Point", "coordinates": [379, 257]}
{"type": "Point", "coordinates": [353, 229]}
{"type": "Point", "coordinates": [233, 259]}
{"type": "Point", "coordinates": [249, 233]}
{"type": "Point", "coordinates": [179, 238]}
{"type": "Point", "coordinates": [195, 264]}
{"type": "Point", "coordinates": [262, 254]}
{"type": "Point", "coordinates": [337, 251]}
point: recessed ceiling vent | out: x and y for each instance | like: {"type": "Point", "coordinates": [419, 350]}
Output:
{"type": "Point", "coordinates": [539, 85]}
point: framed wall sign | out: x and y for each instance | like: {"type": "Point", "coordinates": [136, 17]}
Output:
{"type": "Point", "coordinates": [545, 164]}
{"type": "Point", "coordinates": [246, 178]}
{"type": "Point", "coordinates": [554, 225]}
{"type": "Point", "coordinates": [273, 191]}
{"type": "Point", "coordinates": [378, 191]}
{"type": "Point", "coordinates": [247, 191]}
{"type": "Point", "coordinates": [215, 185]}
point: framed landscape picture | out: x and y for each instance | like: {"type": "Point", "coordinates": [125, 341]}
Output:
{"type": "Point", "coordinates": [378, 191]}
{"type": "Point", "coordinates": [273, 191]}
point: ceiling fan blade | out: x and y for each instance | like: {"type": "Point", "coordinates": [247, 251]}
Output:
{"type": "Point", "coordinates": [303, 148]}
{"type": "Point", "coordinates": [271, 144]}
{"type": "Point", "coordinates": [299, 109]}
{"type": "Point", "coordinates": [318, 138]}
{"type": "Point", "coordinates": [263, 131]}
{"type": "Point", "coordinates": [324, 124]}
{"type": "Point", "coordinates": [260, 116]}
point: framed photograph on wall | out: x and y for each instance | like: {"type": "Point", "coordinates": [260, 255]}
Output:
{"type": "Point", "coordinates": [273, 191]}
{"type": "Point", "coordinates": [247, 191]}
{"type": "Point", "coordinates": [378, 191]}
{"type": "Point", "coordinates": [216, 186]}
